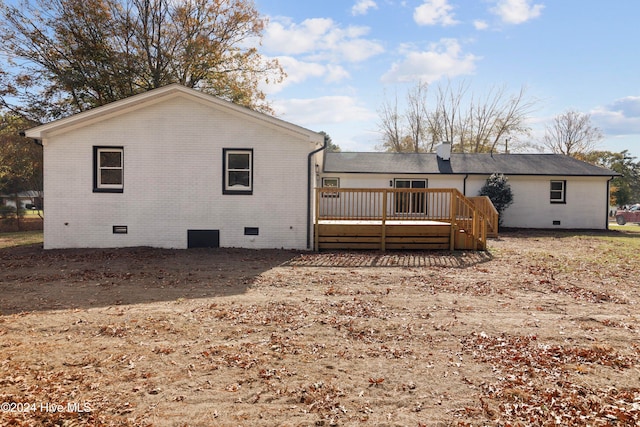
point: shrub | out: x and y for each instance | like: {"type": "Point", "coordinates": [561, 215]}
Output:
{"type": "Point", "coordinates": [7, 211]}
{"type": "Point", "coordinates": [498, 190]}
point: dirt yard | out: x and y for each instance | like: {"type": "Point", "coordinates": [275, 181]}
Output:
{"type": "Point", "coordinates": [540, 330]}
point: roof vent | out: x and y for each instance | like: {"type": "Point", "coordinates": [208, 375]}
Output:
{"type": "Point", "coordinates": [444, 150]}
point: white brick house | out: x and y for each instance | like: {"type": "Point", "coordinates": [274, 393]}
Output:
{"type": "Point", "coordinates": [549, 190]}
{"type": "Point", "coordinates": [176, 168]}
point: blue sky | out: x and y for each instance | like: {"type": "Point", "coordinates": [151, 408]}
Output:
{"type": "Point", "coordinates": [343, 57]}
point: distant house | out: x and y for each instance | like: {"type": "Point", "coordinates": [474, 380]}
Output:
{"type": "Point", "coordinates": [27, 199]}
{"type": "Point", "coordinates": [176, 168]}
{"type": "Point", "coordinates": [550, 190]}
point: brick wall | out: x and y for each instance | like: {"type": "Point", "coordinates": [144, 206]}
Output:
{"type": "Point", "coordinates": [173, 180]}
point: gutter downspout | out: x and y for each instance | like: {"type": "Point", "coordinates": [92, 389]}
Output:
{"type": "Point", "coordinates": [464, 185]}
{"type": "Point", "coordinates": [608, 198]}
{"type": "Point", "coordinates": [309, 188]}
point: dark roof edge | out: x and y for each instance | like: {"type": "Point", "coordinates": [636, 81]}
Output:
{"type": "Point", "coordinates": [613, 174]}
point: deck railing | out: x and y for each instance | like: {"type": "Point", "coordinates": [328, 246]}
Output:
{"type": "Point", "coordinates": [403, 204]}
{"type": "Point", "coordinates": [484, 204]}
{"type": "Point", "coordinates": [383, 204]}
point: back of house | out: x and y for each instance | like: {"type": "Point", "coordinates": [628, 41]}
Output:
{"type": "Point", "coordinates": [550, 191]}
{"type": "Point", "coordinates": [175, 168]}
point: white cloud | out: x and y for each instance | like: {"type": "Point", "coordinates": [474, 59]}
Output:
{"type": "Point", "coordinates": [622, 117]}
{"type": "Point", "coordinates": [363, 6]}
{"type": "Point", "coordinates": [434, 12]}
{"type": "Point", "coordinates": [319, 39]}
{"type": "Point", "coordinates": [289, 38]}
{"type": "Point", "coordinates": [444, 58]}
{"type": "Point", "coordinates": [517, 11]}
{"type": "Point", "coordinates": [480, 25]}
{"type": "Point", "coordinates": [318, 113]}
{"type": "Point", "coordinates": [300, 71]}
{"type": "Point", "coordinates": [357, 50]}
{"type": "Point", "coordinates": [336, 73]}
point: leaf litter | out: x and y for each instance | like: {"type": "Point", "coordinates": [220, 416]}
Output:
{"type": "Point", "coordinates": [535, 332]}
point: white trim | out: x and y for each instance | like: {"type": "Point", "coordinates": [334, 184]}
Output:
{"type": "Point", "coordinates": [562, 191]}
{"type": "Point", "coordinates": [157, 95]}
{"type": "Point", "coordinates": [227, 169]}
{"type": "Point", "coordinates": [100, 168]}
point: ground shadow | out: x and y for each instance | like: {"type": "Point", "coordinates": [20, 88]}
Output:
{"type": "Point", "coordinates": [457, 259]}
{"type": "Point", "coordinates": [32, 279]}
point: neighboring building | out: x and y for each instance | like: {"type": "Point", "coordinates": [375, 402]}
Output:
{"type": "Point", "coordinates": [27, 199]}
{"type": "Point", "coordinates": [176, 168]}
{"type": "Point", "coordinates": [549, 190]}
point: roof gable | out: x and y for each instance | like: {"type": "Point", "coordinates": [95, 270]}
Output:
{"type": "Point", "coordinates": [461, 164]}
{"type": "Point", "coordinates": [164, 94]}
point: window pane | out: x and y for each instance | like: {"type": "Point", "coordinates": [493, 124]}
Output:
{"type": "Point", "coordinates": [238, 179]}
{"type": "Point", "coordinates": [418, 184]}
{"type": "Point", "coordinates": [403, 184]}
{"type": "Point", "coordinates": [110, 159]}
{"type": "Point", "coordinates": [330, 182]}
{"type": "Point", "coordinates": [557, 185]}
{"type": "Point", "coordinates": [238, 161]}
{"type": "Point", "coordinates": [111, 177]}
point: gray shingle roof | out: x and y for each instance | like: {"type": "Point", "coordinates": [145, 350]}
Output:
{"type": "Point", "coordinates": [473, 164]}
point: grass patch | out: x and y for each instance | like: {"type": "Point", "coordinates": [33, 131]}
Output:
{"type": "Point", "coordinates": [627, 228]}
{"type": "Point", "coordinates": [627, 237]}
{"type": "Point", "coordinates": [8, 240]}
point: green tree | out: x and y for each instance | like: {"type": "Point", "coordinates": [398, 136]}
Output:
{"type": "Point", "coordinates": [20, 161]}
{"type": "Point", "coordinates": [624, 189]}
{"type": "Point", "coordinates": [498, 190]}
{"type": "Point", "coordinates": [72, 55]}
{"type": "Point", "coordinates": [331, 146]}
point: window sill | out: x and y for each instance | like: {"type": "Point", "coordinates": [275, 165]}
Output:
{"type": "Point", "coordinates": [108, 190]}
{"type": "Point", "coordinates": [238, 192]}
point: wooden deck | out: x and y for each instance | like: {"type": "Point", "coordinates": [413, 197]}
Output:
{"type": "Point", "coordinates": [391, 235]}
{"type": "Point", "coordinates": [411, 219]}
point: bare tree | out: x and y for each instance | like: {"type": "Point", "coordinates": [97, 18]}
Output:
{"type": "Point", "coordinates": [390, 125]}
{"type": "Point", "coordinates": [446, 121]}
{"type": "Point", "coordinates": [486, 121]}
{"type": "Point", "coordinates": [417, 116]}
{"type": "Point", "coordinates": [469, 123]}
{"type": "Point", "coordinates": [572, 134]}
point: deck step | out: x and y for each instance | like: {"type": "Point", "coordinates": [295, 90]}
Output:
{"type": "Point", "coordinates": [397, 236]}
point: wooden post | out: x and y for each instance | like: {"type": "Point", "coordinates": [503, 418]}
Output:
{"type": "Point", "coordinates": [453, 214]}
{"type": "Point", "coordinates": [383, 237]}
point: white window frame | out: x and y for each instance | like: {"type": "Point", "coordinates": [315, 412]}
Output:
{"type": "Point", "coordinates": [228, 189]}
{"type": "Point", "coordinates": [412, 203]}
{"type": "Point", "coordinates": [561, 192]}
{"type": "Point", "coordinates": [324, 185]}
{"type": "Point", "coordinates": [99, 186]}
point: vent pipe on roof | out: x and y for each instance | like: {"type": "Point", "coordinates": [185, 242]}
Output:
{"type": "Point", "coordinates": [444, 150]}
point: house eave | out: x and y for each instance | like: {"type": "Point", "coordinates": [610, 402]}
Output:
{"type": "Point", "coordinates": [126, 105]}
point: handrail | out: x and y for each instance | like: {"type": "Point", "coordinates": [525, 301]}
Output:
{"type": "Point", "coordinates": [471, 220]}
{"type": "Point", "coordinates": [484, 204]}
